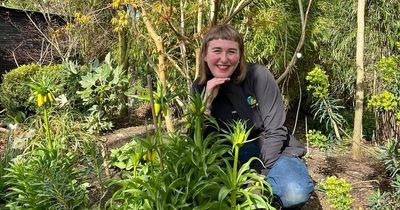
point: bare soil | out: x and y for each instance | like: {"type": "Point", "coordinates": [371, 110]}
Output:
{"type": "Point", "coordinates": [365, 176]}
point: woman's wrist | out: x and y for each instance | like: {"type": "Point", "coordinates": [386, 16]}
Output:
{"type": "Point", "coordinates": [207, 111]}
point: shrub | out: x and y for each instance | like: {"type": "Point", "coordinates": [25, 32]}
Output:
{"type": "Point", "coordinates": [380, 201]}
{"type": "Point", "coordinates": [48, 179]}
{"type": "Point", "coordinates": [318, 83]}
{"type": "Point", "coordinates": [337, 193]}
{"type": "Point", "coordinates": [386, 200]}
{"type": "Point", "coordinates": [101, 87]}
{"type": "Point", "coordinates": [324, 106]}
{"type": "Point", "coordinates": [391, 157]}
{"type": "Point", "coordinates": [69, 86]}
{"type": "Point", "coordinates": [316, 138]}
{"type": "Point", "coordinates": [15, 93]}
{"type": "Point", "coordinates": [386, 101]}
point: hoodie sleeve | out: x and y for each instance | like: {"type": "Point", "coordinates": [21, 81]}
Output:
{"type": "Point", "coordinates": [273, 114]}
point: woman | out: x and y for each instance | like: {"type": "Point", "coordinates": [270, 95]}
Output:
{"type": "Point", "coordinates": [237, 90]}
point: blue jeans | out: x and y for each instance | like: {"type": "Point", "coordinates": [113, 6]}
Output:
{"type": "Point", "coordinates": [290, 181]}
{"type": "Point", "coordinates": [291, 184]}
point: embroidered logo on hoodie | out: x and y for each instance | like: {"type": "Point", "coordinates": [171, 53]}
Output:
{"type": "Point", "coordinates": [251, 101]}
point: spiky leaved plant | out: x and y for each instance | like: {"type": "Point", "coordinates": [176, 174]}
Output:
{"type": "Point", "coordinates": [43, 92]}
{"type": "Point", "coordinates": [50, 176]}
{"type": "Point", "coordinates": [197, 172]}
{"type": "Point", "coordinates": [191, 163]}
{"type": "Point", "coordinates": [324, 106]}
{"type": "Point", "coordinates": [243, 184]}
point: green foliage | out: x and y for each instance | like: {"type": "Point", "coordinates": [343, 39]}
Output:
{"type": "Point", "coordinates": [333, 28]}
{"type": "Point", "coordinates": [9, 152]}
{"type": "Point", "coordinates": [318, 83]}
{"type": "Point", "coordinates": [125, 157]}
{"type": "Point", "coordinates": [164, 98]}
{"type": "Point", "coordinates": [391, 157]}
{"type": "Point", "coordinates": [54, 176]}
{"type": "Point", "coordinates": [396, 186]}
{"type": "Point", "coordinates": [328, 111]}
{"type": "Point", "coordinates": [47, 179]}
{"type": "Point", "coordinates": [337, 192]}
{"type": "Point", "coordinates": [387, 68]}
{"type": "Point", "coordinates": [333, 35]}
{"type": "Point", "coordinates": [271, 31]}
{"type": "Point", "coordinates": [368, 123]}
{"type": "Point", "coordinates": [381, 201]}
{"type": "Point", "coordinates": [316, 138]}
{"type": "Point", "coordinates": [193, 176]}
{"type": "Point", "coordinates": [236, 181]}
{"type": "Point", "coordinates": [72, 74]}
{"type": "Point", "coordinates": [386, 200]}
{"type": "Point", "coordinates": [324, 107]}
{"type": "Point", "coordinates": [101, 86]}
{"type": "Point", "coordinates": [385, 101]}
{"type": "Point", "coordinates": [15, 93]}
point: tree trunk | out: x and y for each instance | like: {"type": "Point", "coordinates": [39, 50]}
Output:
{"type": "Point", "coordinates": [123, 60]}
{"type": "Point", "coordinates": [161, 61]}
{"type": "Point", "coordinates": [358, 112]}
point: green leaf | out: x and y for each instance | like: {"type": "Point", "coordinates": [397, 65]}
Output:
{"type": "Point", "coordinates": [223, 192]}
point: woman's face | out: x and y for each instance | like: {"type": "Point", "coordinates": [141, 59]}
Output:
{"type": "Point", "coordinates": [222, 57]}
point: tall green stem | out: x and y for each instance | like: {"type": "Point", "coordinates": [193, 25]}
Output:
{"type": "Point", "coordinates": [234, 174]}
{"type": "Point", "coordinates": [160, 154]}
{"type": "Point", "coordinates": [198, 131]}
{"type": "Point", "coordinates": [46, 120]}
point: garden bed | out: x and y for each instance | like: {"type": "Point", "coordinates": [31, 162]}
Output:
{"type": "Point", "coordinates": [364, 176]}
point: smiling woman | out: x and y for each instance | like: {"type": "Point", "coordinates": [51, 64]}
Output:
{"type": "Point", "coordinates": [235, 91]}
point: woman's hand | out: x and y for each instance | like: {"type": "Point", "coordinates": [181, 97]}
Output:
{"type": "Point", "coordinates": [212, 89]}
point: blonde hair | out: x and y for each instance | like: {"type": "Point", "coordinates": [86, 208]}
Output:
{"type": "Point", "coordinates": [226, 32]}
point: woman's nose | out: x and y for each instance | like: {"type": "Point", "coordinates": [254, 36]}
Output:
{"type": "Point", "coordinates": [224, 57]}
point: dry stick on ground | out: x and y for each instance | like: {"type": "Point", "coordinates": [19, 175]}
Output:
{"type": "Point", "coordinates": [365, 184]}
{"type": "Point", "coordinates": [298, 106]}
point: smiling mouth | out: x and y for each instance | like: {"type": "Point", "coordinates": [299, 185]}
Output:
{"type": "Point", "coordinates": [223, 67]}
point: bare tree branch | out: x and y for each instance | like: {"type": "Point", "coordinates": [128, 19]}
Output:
{"type": "Point", "coordinates": [292, 62]}
{"type": "Point", "coordinates": [54, 44]}
{"type": "Point", "coordinates": [215, 13]}
{"type": "Point", "coordinates": [238, 9]}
